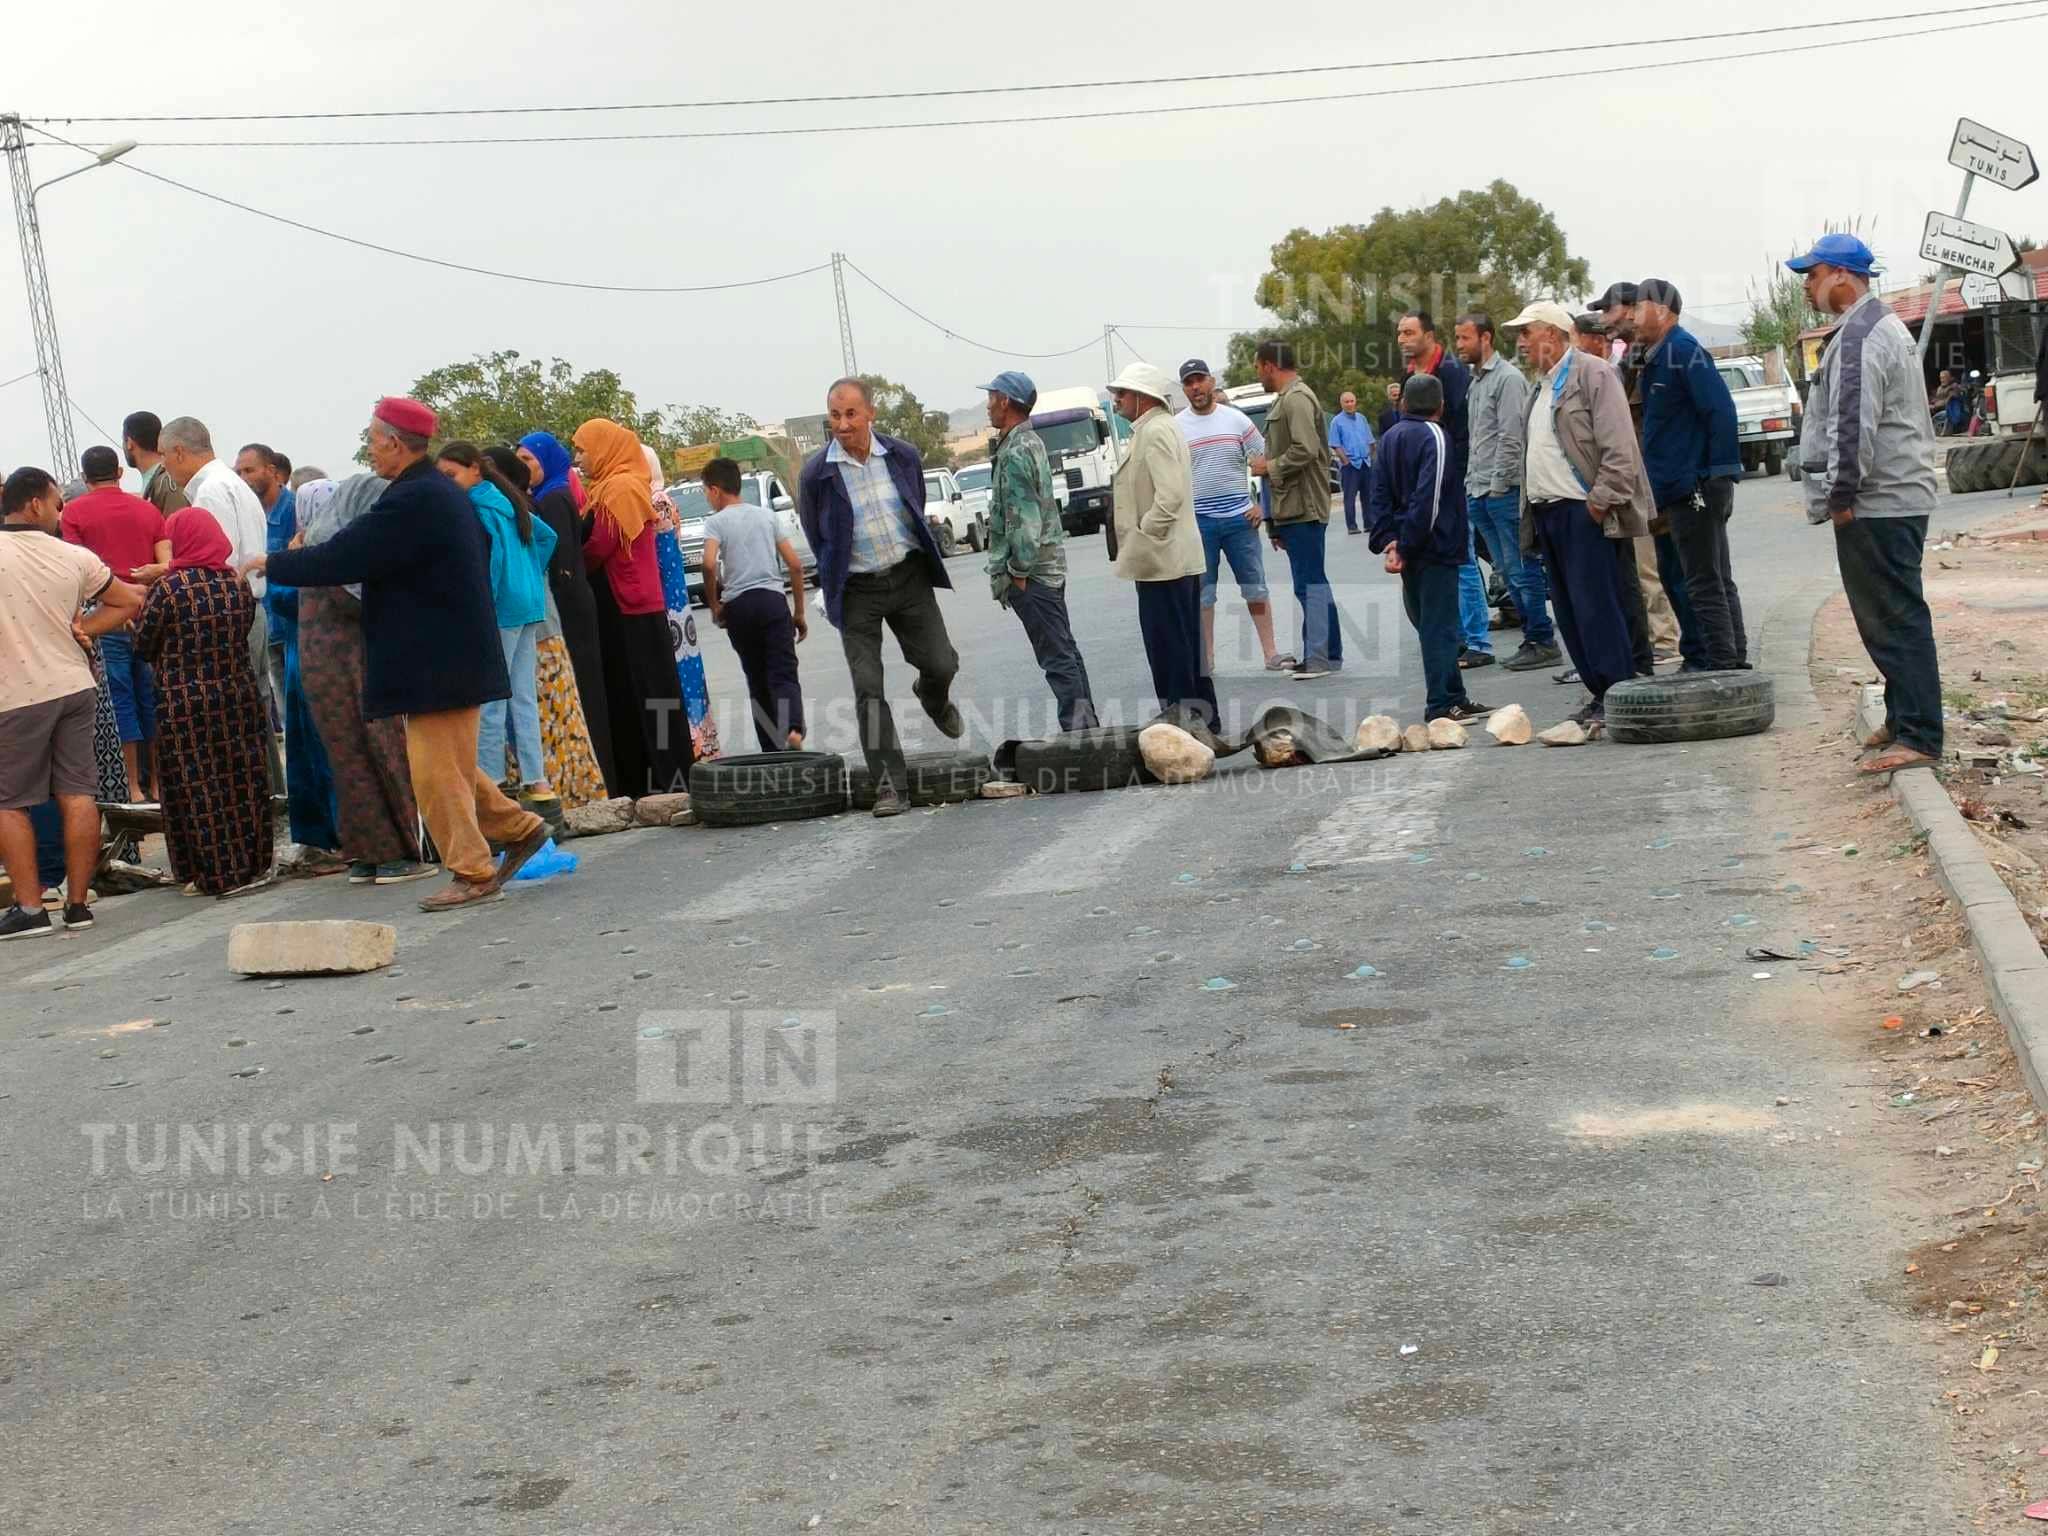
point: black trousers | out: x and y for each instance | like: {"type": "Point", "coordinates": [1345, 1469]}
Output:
{"type": "Point", "coordinates": [1634, 609]}
{"type": "Point", "coordinates": [1880, 559]}
{"type": "Point", "coordinates": [1043, 612]}
{"type": "Point", "coordinates": [1700, 528]}
{"type": "Point", "coordinates": [761, 630]}
{"type": "Point", "coordinates": [651, 743]}
{"type": "Point", "coordinates": [1170, 622]}
{"type": "Point", "coordinates": [902, 598]}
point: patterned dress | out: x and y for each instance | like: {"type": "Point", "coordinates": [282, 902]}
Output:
{"type": "Point", "coordinates": [566, 750]}
{"type": "Point", "coordinates": [211, 728]}
{"type": "Point", "coordinates": [372, 782]}
{"type": "Point", "coordinates": [682, 630]}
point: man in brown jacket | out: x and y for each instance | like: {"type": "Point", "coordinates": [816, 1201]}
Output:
{"type": "Point", "coordinates": [1297, 461]}
{"type": "Point", "coordinates": [1582, 486]}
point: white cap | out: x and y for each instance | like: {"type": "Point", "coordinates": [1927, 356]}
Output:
{"type": "Point", "coordinates": [1543, 312]}
{"type": "Point", "coordinates": [1146, 379]}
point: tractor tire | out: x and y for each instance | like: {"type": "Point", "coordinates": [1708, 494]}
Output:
{"type": "Point", "coordinates": [1692, 706]}
{"type": "Point", "coordinates": [936, 778]}
{"type": "Point", "coordinates": [1966, 469]}
{"type": "Point", "coordinates": [1078, 761]}
{"type": "Point", "coordinates": [2032, 470]}
{"type": "Point", "coordinates": [760, 787]}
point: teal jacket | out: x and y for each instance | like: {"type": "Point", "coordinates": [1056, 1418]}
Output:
{"type": "Point", "coordinates": [519, 572]}
{"type": "Point", "coordinates": [1025, 535]}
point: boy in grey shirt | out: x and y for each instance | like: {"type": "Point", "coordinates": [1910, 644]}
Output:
{"type": "Point", "coordinates": [745, 555]}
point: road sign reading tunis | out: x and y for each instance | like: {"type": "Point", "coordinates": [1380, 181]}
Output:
{"type": "Point", "coordinates": [1967, 246]}
{"type": "Point", "coordinates": [1995, 156]}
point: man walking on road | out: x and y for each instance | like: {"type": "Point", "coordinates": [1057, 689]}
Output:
{"type": "Point", "coordinates": [1583, 486]}
{"type": "Point", "coordinates": [1027, 557]}
{"type": "Point", "coordinates": [861, 501]}
{"type": "Point", "coordinates": [1351, 441]}
{"type": "Point", "coordinates": [1297, 461]}
{"type": "Point", "coordinates": [1868, 454]}
{"type": "Point", "coordinates": [745, 560]}
{"type": "Point", "coordinates": [127, 533]}
{"type": "Point", "coordinates": [1157, 545]}
{"type": "Point", "coordinates": [1498, 405]}
{"type": "Point", "coordinates": [1693, 461]}
{"type": "Point", "coordinates": [1222, 442]}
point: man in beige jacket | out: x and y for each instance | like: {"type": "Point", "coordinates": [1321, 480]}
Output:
{"type": "Point", "coordinates": [1582, 487]}
{"type": "Point", "coordinates": [1157, 543]}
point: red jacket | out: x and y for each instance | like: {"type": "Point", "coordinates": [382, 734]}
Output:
{"type": "Point", "coordinates": [634, 573]}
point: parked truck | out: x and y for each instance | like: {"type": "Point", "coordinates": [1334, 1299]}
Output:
{"type": "Point", "coordinates": [2008, 448]}
{"type": "Point", "coordinates": [1767, 415]}
{"type": "Point", "coordinates": [1084, 441]}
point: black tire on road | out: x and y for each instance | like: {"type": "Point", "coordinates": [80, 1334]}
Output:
{"type": "Point", "coordinates": [936, 778]}
{"type": "Point", "coordinates": [1774, 460]}
{"type": "Point", "coordinates": [1083, 760]}
{"type": "Point", "coordinates": [1965, 469]}
{"type": "Point", "coordinates": [948, 545]}
{"type": "Point", "coordinates": [761, 787]}
{"type": "Point", "coordinates": [1692, 706]}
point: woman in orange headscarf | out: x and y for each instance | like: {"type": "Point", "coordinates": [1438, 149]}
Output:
{"type": "Point", "coordinates": [211, 724]}
{"type": "Point", "coordinates": [640, 681]}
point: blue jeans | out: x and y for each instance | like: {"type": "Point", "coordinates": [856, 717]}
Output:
{"type": "Point", "coordinates": [130, 686]}
{"type": "Point", "coordinates": [1235, 540]}
{"type": "Point", "coordinates": [523, 708]}
{"type": "Point", "coordinates": [1430, 595]}
{"type": "Point", "coordinates": [1498, 519]}
{"type": "Point", "coordinates": [1474, 614]}
{"type": "Point", "coordinates": [1322, 628]}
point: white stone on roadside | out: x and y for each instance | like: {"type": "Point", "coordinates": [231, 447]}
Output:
{"type": "Point", "coordinates": [1510, 726]}
{"type": "Point", "coordinates": [596, 819]}
{"type": "Point", "coordinates": [1566, 733]}
{"type": "Point", "coordinates": [1003, 789]}
{"type": "Point", "coordinates": [1173, 756]}
{"type": "Point", "coordinates": [683, 819]}
{"type": "Point", "coordinates": [1415, 739]}
{"type": "Point", "coordinates": [310, 948]}
{"type": "Point", "coordinates": [1379, 733]}
{"type": "Point", "coordinates": [1278, 750]}
{"type": "Point", "coordinates": [659, 810]}
{"type": "Point", "coordinates": [1445, 735]}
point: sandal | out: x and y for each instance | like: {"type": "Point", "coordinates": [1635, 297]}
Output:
{"type": "Point", "coordinates": [1897, 760]}
{"type": "Point", "coordinates": [1881, 737]}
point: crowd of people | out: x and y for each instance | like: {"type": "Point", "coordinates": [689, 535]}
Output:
{"type": "Point", "coordinates": [468, 639]}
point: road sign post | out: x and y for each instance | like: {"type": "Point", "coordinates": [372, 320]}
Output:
{"type": "Point", "coordinates": [1953, 243]}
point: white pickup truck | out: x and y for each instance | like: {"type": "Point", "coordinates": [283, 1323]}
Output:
{"type": "Point", "coordinates": [957, 522]}
{"type": "Point", "coordinates": [1766, 416]}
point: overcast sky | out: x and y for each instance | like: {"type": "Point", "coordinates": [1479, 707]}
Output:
{"type": "Point", "coordinates": [1029, 237]}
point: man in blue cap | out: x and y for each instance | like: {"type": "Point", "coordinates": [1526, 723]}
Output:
{"type": "Point", "coordinates": [1868, 453]}
{"type": "Point", "coordinates": [1027, 558]}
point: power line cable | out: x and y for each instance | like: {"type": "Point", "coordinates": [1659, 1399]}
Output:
{"type": "Point", "coordinates": [1036, 88]}
{"type": "Point", "coordinates": [4, 383]}
{"type": "Point", "coordinates": [80, 410]}
{"type": "Point", "coordinates": [954, 335]}
{"type": "Point", "coordinates": [436, 261]}
{"type": "Point", "coordinates": [1108, 114]}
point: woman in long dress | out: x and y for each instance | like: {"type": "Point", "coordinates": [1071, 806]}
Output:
{"type": "Point", "coordinates": [372, 782]}
{"type": "Point", "coordinates": [212, 728]}
{"type": "Point", "coordinates": [551, 489]}
{"type": "Point", "coordinates": [682, 622]}
{"type": "Point", "coordinates": [644, 696]}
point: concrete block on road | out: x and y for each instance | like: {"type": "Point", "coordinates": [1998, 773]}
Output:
{"type": "Point", "coordinates": [310, 949]}
{"type": "Point", "coordinates": [660, 810]}
{"type": "Point", "coordinates": [598, 819]}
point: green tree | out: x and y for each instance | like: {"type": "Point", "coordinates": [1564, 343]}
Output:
{"type": "Point", "coordinates": [499, 397]}
{"type": "Point", "coordinates": [1339, 295]}
{"type": "Point", "coordinates": [1778, 313]}
{"type": "Point", "coordinates": [900, 413]}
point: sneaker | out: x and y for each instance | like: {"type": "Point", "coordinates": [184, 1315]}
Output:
{"type": "Point", "coordinates": [19, 923]}
{"type": "Point", "coordinates": [1309, 671]}
{"type": "Point", "coordinates": [462, 893]}
{"type": "Point", "coordinates": [1531, 656]}
{"type": "Point", "coordinates": [362, 873]}
{"type": "Point", "coordinates": [1465, 710]}
{"type": "Point", "coordinates": [1354, 532]}
{"type": "Point", "coordinates": [518, 853]}
{"type": "Point", "coordinates": [949, 722]}
{"type": "Point", "coordinates": [77, 915]}
{"type": "Point", "coordinates": [887, 801]}
{"type": "Point", "coordinates": [1283, 664]}
{"type": "Point", "coordinates": [1472, 661]}
{"type": "Point", "coordinates": [1568, 676]}
{"type": "Point", "coordinates": [398, 871]}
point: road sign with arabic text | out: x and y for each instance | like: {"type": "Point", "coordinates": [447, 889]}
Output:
{"type": "Point", "coordinates": [1995, 156]}
{"type": "Point", "coordinates": [1968, 247]}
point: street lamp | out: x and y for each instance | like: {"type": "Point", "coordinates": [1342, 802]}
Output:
{"type": "Point", "coordinates": [42, 318]}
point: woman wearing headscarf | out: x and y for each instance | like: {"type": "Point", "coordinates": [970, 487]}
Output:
{"type": "Point", "coordinates": [520, 546]}
{"type": "Point", "coordinates": [372, 781]}
{"type": "Point", "coordinates": [576, 649]}
{"type": "Point", "coordinates": [650, 732]}
{"type": "Point", "coordinates": [682, 623]}
{"type": "Point", "coordinates": [211, 725]}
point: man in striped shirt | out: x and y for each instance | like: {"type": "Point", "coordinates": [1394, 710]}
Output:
{"type": "Point", "coordinates": [1221, 444]}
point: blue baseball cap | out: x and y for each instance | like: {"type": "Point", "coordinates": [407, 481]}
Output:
{"type": "Point", "coordinates": [1017, 386]}
{"type": "Point", "coordinates": [1844, 251]}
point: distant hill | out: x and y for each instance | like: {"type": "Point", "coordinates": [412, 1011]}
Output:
{"type": "Point", "coordinates": [967, 419]}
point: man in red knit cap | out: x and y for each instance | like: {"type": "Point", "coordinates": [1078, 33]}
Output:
{"type": "Point", "coordinates": [430, 640]}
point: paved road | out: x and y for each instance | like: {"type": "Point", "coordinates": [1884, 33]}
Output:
{"type": "Point", "coordinates": [1068, 1242]}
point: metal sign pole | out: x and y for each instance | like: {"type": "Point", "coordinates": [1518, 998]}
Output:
{"type": "Point", "coordinates": [1941, 278]}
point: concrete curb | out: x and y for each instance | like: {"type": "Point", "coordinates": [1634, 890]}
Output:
{"type": "Point", "coordinates": [2014, 967]}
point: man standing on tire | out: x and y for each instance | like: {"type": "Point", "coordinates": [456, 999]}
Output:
{"type": "Point", "coordinates": [1498, 407]}
{"type": "Point", "coordinates": [1027, 557]}
{"type": "Point", "coordinates": [861, 501]}
{"type": "Point", "coordinates": [1868, 453]}
{"type": "Point", "coordinates": [1297, 462]}
{"type": "Point", "coordinates": [1693, 460]}
{"type": "Point", "coordinates": [1157, 546]}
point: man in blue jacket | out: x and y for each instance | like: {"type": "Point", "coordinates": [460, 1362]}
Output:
{"type": "Point", "coordinates": [1693, 460]}
{"type": "Point", "coordinates": [861, 501]}
{"type": "Point", "coordinates": [1417, 512]}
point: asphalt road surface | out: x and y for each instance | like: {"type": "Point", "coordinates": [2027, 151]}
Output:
{"type": "Point", "coordinates": [1076, 1208]}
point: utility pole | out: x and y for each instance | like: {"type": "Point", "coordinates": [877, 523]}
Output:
{"type": "Point", "coordinates": [1108, 352]}
{"type": "Point", "coordinates": [846, 357]}
{"type": "Point", "coordinates": [41, 317]}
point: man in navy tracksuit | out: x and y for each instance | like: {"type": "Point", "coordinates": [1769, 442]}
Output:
{"type": "Point", "coordinates": [1417, 512]}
